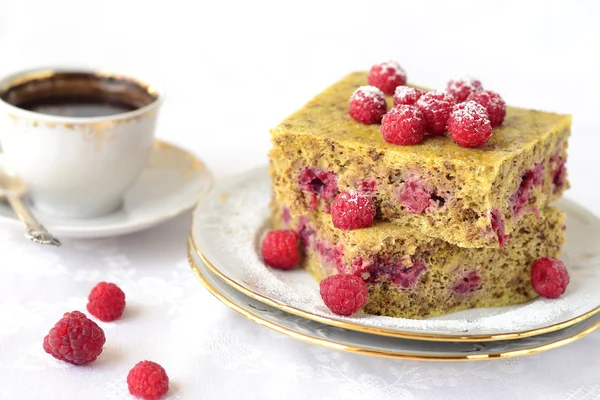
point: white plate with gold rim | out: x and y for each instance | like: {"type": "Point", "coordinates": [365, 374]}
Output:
{"type": "Point", "coordinates": [172, 182]}
{"type": "Point", "coordinates": [228, 223]}
{"type": "Point", "coordinates": [364, 343]}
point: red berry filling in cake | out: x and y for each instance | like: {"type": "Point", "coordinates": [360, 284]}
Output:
{"type": "Point", "coordinates": [468, 282]}
{"type": "Point", "coordinates": [532, 178]}
{"type": "Point", "coordinates": [319, 184]}
{"type": "Point", "coordinates": [498, 226]}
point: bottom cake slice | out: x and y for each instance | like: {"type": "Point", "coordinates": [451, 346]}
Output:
{"type": "Point", "coordinates": [410, 275]}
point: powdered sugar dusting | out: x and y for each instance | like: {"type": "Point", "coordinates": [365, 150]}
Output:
{"type": "Point", "coordinates": [468, 111]}
{"type": "Point", "coordinates": [369, 93]}
{"type": "Point", "coordinates": [394, 69]}
{"type": "Point", "coordinates": [229, 234]}
{"type": "Point", "coordinates": [468, 81]}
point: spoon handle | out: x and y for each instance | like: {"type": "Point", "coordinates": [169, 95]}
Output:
{"type": "Point", "coordinates": [34, 230]}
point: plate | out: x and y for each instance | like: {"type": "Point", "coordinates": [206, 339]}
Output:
{"type": "Point", "coordinates": [358, 342]}
{"type": "Point", "coordinates": [226, 230]}
{"type": "Point", "coordinates": [171, 183]}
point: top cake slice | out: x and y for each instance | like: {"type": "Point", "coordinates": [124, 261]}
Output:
{"type": "Point", "coordinates": [469, 197]}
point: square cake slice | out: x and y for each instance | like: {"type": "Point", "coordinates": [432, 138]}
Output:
{"type": "Point", "coordinates": [410, 275]}
{"type": "Point", "coordinates": [470, 197]}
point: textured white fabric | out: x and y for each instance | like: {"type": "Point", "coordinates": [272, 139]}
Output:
{"type": "Point", "coordinates": [233, 69]}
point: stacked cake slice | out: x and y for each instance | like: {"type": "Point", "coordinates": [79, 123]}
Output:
{"type": "Point", "coordinates": [455, 227]}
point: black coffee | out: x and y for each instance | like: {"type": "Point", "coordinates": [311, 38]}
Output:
{"type": "Point", "coordinates": [78, 95]}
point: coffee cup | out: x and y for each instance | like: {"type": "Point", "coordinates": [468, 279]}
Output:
{"type": "Point", "coordinates": [77, 138]}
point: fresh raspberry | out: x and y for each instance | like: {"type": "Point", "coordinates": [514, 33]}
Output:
{"type": "Point", "coordinates": [75, 339]}
{"type": "Point", "coordinates": [436, 106]}
{"type": "Point", "coordinates": [494, 105]}
{"type": "Point", "coordinates": [403, 125]}
{"type": "Point", "coordinates": [387, 76]}
{"type": "Point", "coordinates": [549, 277]}
{"type": "Point", "coordinates": [352, 210]}
{"type": "Point", "coordinates": [462, 87]}
{"type": "Point", "coordinates": [469, 124]}
{"type": "Point", "coordinates": [367, 105]}
{"type": "Point", "coordinates": [344, 294]}
{"type": "Point", "coordinates": [280, 249]}
{"type": "Point", "coordinates": [106, 302]}
{"type": "Point", "coordinates": [406, 95]}
{"type": "Point", "coordinates": [148, 380]}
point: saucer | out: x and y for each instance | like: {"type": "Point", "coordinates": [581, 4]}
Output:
{"type": "Point", "coordinates": [226, 230]}
{"type": "Point", "coordinates": [171, 183]}
{"type": "Point", "coordinates": [364, 343]}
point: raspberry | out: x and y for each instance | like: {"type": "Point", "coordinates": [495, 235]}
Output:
{"type": "Point", "coordinates": [469, 124]}
{"type": "Point", "coordinates": [415, 195]}
{"type": "Point", "coordinates": [403, 125]}
{"type": "Point", "coordinates": [148, 380]}
{"type": "Point", "coordinates": [367, 105]}
{"type": "Point", "coordinates": [106, 302]}
{"type": "Point", "coordinates": [469, 282]}
{"type": "Point", "coordinates": [280, 249]}
{"type": "Point", "coordinates": [498, 226]}
{"type": "Point", "coordinates": [406, 95]}
{"type": "Point", "coordinates": [436, 106]}
{"type": "Point", "coordinates": [494, 105]}
{"type": "Point", "coordinates": [462, 87]}
{"type": "Point", "coordinates": [344, 294]}
{"type": "Point", "coordinates": [387, 76]}
{"type": "Point", "coordinates": [352, 210]}
{"type": "Point", "coordinates": [75, 339]}
{"type": "Point", "coordinates": [549, 277]}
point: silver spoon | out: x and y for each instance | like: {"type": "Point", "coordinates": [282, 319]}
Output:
{"type": "Point", "coordinates": [14, 189]}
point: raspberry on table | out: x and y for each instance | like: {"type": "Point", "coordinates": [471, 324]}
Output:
{"type": "Point", "coordinates": [387, 76]}
{"type": "Point", "coordinates": [469, 125]}
{"type": "Point", "coordinates": [367, 105]}
{"type": "Point", "coordinates": [406, 95]}
{"type": "Point", "coordinates": [148, 380]}
{"type": "Point", "coordinates": [352, 210]}
{"type": "Point", "coordinates": [493, 103]}
{"type": "Point", "coordinates": [106, 302]}
{"type": "Point", "coordinates": [344, 294]}
{"type": "Point", "coordinates": [462, 87]}
{"type": "Point", "coordinates": [549, 277]}
{"type": "Point", "coordinates": [403, 125]}
{"type": "Point", "coordinates": [75, 339]}
{"type": "Point", "coordinates": [280, 249]}
{"type": "Point", "coordinates": [436, 106]}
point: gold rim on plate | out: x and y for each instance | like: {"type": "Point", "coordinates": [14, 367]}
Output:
{"type": "Point", "coordinates": [378, 353]}
{"type": "Point", "coordinates": [382, 331]}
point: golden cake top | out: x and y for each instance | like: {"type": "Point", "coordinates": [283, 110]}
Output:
{"type": "Point", "coordinates": [326, 116]}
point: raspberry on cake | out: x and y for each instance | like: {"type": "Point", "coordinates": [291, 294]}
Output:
{"type": "Point", "coordinates": [367, 105]}
{"type": "Point", "coordinates": [403, 125]}
{"type": "Point", "coordinates": [462, 87]}
{"type": "Point", "coordinates": [493, 103]}
{"type": "Point", "coordinates": [436, 106]}
{"type": "Point", "coordinates": [469, 125]}
{"type": "Point", "coordinates": [411, 275]}
{"type": "Point", "coordinates": [352, 210]}
{"type": "Point", "coordinates": [470, 197]}
{"type": "Point", "coordinates": [407, 95]}
{"type": "Point", "coordinates": [387, 76]}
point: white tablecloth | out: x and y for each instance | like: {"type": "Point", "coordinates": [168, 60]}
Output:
{"type": "Point", "coordinates": [232, 70]}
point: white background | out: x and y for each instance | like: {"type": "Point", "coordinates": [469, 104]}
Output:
{"type": "Point", "coordinates": [232, 70]}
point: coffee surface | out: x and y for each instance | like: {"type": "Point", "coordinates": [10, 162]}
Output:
{"type": "Point", "coordinates": [79, 95]}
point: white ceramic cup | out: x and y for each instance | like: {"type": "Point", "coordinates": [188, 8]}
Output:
{"type": "Point", "coordinates": [73, 166]}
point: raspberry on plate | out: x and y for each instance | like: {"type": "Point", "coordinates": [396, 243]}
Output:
{"type": "Point", "coordinates": [148, 380]}
{"type": "Point", "coordinates": [403, 125]}
{"type": "Point", "coordinates": [469, 125]}
{"type": "Point", "coordinates": [549, 277]}
{"type": "Point", "coordinates": [406, 95]}
{"type": "Point", "coordinates": [75, 339]}
{"type": "Point", "coordinates": [436, 106]}
{"type": "Point", "coordinates": [387, 76]}
{"type": "Point", "coordinates": [106, 302]}
{"type": "Point", "coordinates": [367, 105]}
{"type": "Point", "coordinates": [352, 210]}
{"type": "Point", "coordinates": [280, 249]}
{"type": "Point", "coordinates": [344, 294]}
{"type": "Point", "coordinates": [462, 87]}
{"type": "Point", "coordinates": [493, 103]}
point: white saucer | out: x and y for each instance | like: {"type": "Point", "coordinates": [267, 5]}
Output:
{"type": "Point", "coordinates": [229, 221]}
{"type": "Point", "coordinates": [170, 184]}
